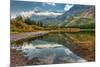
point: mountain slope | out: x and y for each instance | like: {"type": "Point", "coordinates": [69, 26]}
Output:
{"type": "Point", "coordinates": [20, 24]}
{"type": "Point", "coordinates": [82, 17]}
{"type": "Point", "coordinates": [76, 10]}
{"type": "Point", "coordinates": [77, 16]}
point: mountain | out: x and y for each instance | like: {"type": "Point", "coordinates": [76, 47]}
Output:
{"type": "Point", "coordinates": [75, 11]}
{"type": "Point", "coordinates": [77, 16]}
{"type": "Point", "coordinates": [39, 18]}
{"type": "Point", "coordinates": [41, 15]}
{"type": "Point", "coordinates": [80, 16]}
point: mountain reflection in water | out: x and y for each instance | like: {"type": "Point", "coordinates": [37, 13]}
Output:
{"type": "Point", "coordinates": [55, 48]}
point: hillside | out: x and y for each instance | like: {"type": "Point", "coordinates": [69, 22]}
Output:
{"type": "Point", "coordinates": [84, 19]}
{"type": "Point", "coordinates": [20, 24]}
{"type": "Point", "coordinates": [81, 16]}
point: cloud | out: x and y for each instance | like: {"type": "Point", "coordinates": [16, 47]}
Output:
{"type": "Point", "coordinates": [67, 7]}
{"type": "Point", "coordinates": [45, 13]}
{"type": "Point", "coordinates": [26, 14]}
{"type": "Point", "coordinates": [37, 9]}
{"type": "Point", "coordinates": [49, 3]}
{"type": "Point", "coordinates": [48, 13]}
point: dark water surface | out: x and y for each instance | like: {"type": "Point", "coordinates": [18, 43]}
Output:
{"type": "Point", "coordinates": [55, 48]}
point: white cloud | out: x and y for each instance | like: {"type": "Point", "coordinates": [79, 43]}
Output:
{"type": "Point", "coordinates": [46, 13]}
{"type": "Point", "coordinates": [49, 3]}
{"type": "Point", "coordinates": [37, 8]}
{"type": "Point", "coordinates": [26, 14]}
{"type": "Point", "coordinates": [67, 7]}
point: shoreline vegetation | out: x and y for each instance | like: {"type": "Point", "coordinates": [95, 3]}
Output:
{"type": "Point", "coordinates": [15, 36]}
{"type": "Point", "coordinates": [22, 28]}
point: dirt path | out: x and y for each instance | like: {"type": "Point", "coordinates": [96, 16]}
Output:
{"type": "Point", "coordinates": [19, 36]}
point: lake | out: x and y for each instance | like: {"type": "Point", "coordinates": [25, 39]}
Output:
{"type": "Point", "coordinates": [54, 48]}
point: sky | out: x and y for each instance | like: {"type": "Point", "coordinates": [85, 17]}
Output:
{"type": "Point", "coordinates": [28, 8]}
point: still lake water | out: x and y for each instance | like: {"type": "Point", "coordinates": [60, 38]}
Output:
{"type": "Point", "coordinates": [55, 48]}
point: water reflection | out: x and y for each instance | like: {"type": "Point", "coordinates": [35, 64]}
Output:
{"type": "Point", "coordinates": [58, 48]}
{"type": "Point", "coordinates": [82, 44]}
